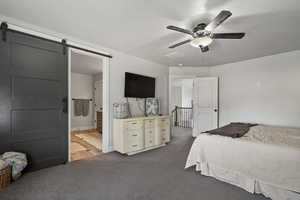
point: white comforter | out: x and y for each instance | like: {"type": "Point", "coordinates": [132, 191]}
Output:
{"type": "Point", "coordinates": [266, 155]}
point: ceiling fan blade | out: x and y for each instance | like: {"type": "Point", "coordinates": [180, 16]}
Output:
{"type": "Point", "coordinates": [181, 30]}
{"type": "Point", "coordinates": [228, 35]}
{"type": "Point", "coordinates": [180, 43]}
{"type": "Point", "coordinates": [204, 49]}
{"type": "Point", "coordinates": [219, 19]}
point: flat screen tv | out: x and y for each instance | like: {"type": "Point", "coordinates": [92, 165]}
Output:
{"type": "Point", "coordinates": [138, 86]}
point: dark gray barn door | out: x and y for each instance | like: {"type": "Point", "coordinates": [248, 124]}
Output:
{"type": "Point", "coordinates": [33, 85]}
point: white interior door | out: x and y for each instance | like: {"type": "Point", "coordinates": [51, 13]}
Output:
{"type": "Point", "coordinates": [205, 104]}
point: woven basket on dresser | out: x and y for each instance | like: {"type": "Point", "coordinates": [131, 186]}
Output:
{"type": "Point", "coordinates": [5, 177]}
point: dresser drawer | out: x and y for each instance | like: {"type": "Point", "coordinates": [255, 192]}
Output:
{"type": "Point", "coordinates": [135, 140]}
{"type": "Point", "coordinates": [149, 124]}
{"type": "Point", "coordinates": [149, 138]}
{"type": "Point", "coordinates": [149, 131]}
{"type": "Point", "coordinates": [163, 123]}
{"type": "Point", "coordinates": [164, 134]}
{"type": "Point", "coordinates": [165, 137]}
{"type": "Point", "coordinates": [164, 129]}
{"type": "Point", "coordinates": [134, 135]}
{"type": "Point", "coordinates": [133, 125]}
{"type": "Point", "coordinates": [134, 147]}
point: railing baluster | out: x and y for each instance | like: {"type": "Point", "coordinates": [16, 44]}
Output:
{"type": "Point", "coordinates": [182, 119]}
{"type": "Point", "coordinates": [186, 118]}
{"type": "Point", "coordinates": [185, 121]}
{"type": "Point", "coordinates": [182, 116]}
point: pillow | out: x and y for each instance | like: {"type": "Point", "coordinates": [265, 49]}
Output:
{"type": "Point", "coordinates": [152, 106]}
{"type": "Point", "coordinates": [234, 130]}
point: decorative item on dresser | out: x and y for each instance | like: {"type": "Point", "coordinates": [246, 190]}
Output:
{"type": "Point", "coordinates": [135, 135]}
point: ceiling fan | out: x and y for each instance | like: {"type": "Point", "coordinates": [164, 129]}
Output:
{"type": "Point", "coordinates": [202, 34]}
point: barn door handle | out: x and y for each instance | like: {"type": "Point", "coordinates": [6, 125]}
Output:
{"type": "Point", "coordinates": [65, 105]}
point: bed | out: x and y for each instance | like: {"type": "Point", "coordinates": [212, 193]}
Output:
{"type": "Point", "coordinates": [266, 160]}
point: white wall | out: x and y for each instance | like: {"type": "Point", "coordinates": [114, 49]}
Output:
{"type": "Point", "coordinates": [98, 77]}
{"type": "Point", "coordinates": [181, 92]}
{"type": "Point", "coordinates": [176, 98]}
{"type": "Point", "coordinates": [82, 88]}
{"type": "Point", "coordinates": [187, 92]}
{"type": "Point", "coordinates": [186, 71]}
{"type": "Point", "coordinates": [119, 64]}
{"type": "Point", "coordinates": [122, 63]}
{"type": "Point", "coordinates": [263, 90]}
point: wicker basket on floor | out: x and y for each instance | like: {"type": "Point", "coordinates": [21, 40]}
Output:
{"type": "Point", "coordinates": [5, 177]}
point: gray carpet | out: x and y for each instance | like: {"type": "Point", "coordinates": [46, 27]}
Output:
{"type": "Point", "coordinates": [153, 175]}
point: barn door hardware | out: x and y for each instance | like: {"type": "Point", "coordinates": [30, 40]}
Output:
{"type": "Point", "coordinates": [64, 44]}
{"type": "Point", "coordinates": [4, 28]}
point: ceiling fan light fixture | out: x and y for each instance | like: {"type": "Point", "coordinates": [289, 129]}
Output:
{"type": "Point", "coordinates": [201, 41]}
{"type": "Point", "coordinates": [203, 34]}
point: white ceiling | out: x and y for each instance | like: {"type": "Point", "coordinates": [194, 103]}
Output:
{"type": "Point", "coordinates": [84, 64]}
{"type": "Point", "coordinates": [137, 27]}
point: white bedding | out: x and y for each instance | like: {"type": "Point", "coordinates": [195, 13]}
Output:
{"type": "Point", "coordinates": [266, 160]}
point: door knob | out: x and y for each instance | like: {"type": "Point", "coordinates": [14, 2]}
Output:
{"type": "Point", "coordinates": [216, 110]}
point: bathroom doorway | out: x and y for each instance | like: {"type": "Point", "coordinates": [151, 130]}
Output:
{"type": "Point", "coordinates": [86, 116]}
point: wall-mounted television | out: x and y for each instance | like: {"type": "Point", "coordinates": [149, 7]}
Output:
{"type": "Point", "coordinates": [138, 86]}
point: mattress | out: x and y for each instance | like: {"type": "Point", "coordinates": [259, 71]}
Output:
{"type": "Point", "coordinates": [266, 160]}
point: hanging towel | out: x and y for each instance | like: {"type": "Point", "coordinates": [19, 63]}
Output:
{"type": "Point", "coordinates": [78, 107]}
{"type": "Point", "coordinates": [85, 107]}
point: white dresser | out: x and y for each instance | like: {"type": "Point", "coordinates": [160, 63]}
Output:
{"type": "Point", "coordinates": [134, 135]}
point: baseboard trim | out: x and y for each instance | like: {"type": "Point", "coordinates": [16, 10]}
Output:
{"type": "Point", "coordinates": [108, 150]}
{"type": "Point", "coordinates": [147, 149]}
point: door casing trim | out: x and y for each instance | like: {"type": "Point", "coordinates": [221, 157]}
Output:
{"type": "Point", "coordinates": [106, 137]}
